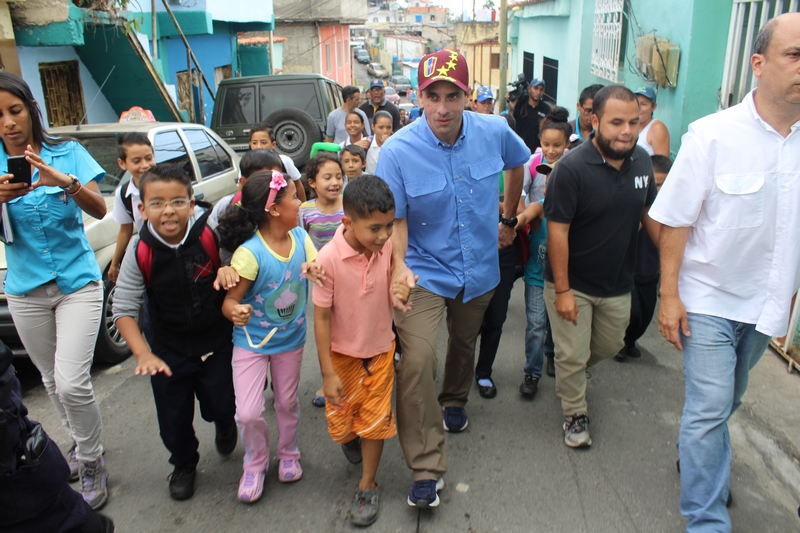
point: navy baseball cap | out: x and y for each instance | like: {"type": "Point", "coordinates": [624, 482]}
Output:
{"type": "Point", "coordinates": [537, 81]}
{"type": "Point", "coordinates": [376, 83]}
{"type": "Point", "coordinates": [647, 92]}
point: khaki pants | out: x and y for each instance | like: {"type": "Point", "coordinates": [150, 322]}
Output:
{"type": "Point", "coordinates": [599, 335]}
{"type": "Point", "coordinates": [419, 410]}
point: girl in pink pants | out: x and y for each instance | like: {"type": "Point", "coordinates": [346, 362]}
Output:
{"type": "Point", "coordinates": [273, 258]}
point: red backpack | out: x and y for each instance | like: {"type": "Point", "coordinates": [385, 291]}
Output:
{"type": "Point", "coordinates": [144, 253]}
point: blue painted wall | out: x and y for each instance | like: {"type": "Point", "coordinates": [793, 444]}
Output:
{"type": "Point", "coordinates": [211, 50]}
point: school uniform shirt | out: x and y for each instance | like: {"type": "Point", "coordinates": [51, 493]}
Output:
{"type": "Point", "coordinates": [449, 196]}
{"type": "Point", "coordinates": [120, 214]}
{"type": "Point", "coordinates": [365, 329]}
{"type": "Point", "coordinates": [373, 153]}
{"type": "Point", "coordinates": [49, 239]}
{"type": "Point", "coordinates": [742, 258]}
{"type": "Point", "coordinates": [278, 292]}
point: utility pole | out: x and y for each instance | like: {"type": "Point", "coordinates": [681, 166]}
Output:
{"type": "Point", "coordinates": [501, 93]}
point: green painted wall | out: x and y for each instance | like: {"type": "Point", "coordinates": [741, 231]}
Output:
{"type": "Point", "coordinates": [558, 37]}
{"type": "Point", "coordinates": [66, 33]}
{"type": "Point", "coordinates": [700, 28]}
{"type": "Point", "coordinates": [254, 60]}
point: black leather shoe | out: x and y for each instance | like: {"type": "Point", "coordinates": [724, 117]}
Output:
{"type": "Point", "coordinates": [226, 438]}
{"type": "Point", "coordinates": [181, 482]}
{"type": "Point", "coordinates": [487, 392]}
{"type": "Point", "coordinates": [551, 366]}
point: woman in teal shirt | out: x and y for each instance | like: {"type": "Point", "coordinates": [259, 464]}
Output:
{"type": "Point", "coordinates": [53, 285]}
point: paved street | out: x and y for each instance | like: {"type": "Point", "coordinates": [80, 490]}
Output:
{"type": "Point", "coordinates": [509, 471]}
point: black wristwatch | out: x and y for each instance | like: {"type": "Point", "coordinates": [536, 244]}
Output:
{"type": "Point", "coordinates": [510, 222]}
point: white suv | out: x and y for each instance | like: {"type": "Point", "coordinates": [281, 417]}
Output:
{"type": "Point", "coordinates": [212, 164]}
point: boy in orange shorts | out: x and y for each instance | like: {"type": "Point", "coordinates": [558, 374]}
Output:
{"type": "Point", "coordinates": [353, 327]}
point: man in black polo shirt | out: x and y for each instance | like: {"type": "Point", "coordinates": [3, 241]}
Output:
{"type": "Point", "coordinates": [596, 197]}
{"type": "Point", "coordinates": [529, 112]}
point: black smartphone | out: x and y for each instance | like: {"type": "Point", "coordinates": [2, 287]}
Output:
{"type": "Point", "coordinates": [20, 168]}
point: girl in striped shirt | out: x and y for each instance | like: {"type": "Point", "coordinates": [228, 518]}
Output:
{"type": "Point", "coordinates": [321, 216]}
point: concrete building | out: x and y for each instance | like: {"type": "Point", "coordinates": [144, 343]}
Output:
{"type": "Point", "coordinates": [575, 43]}
{"type": "Point", "coordinates": [478, 43]}
{"type": "Point", "coordinates": [318, 36]}
{"type": "Point", "coordinates": [82, 65]}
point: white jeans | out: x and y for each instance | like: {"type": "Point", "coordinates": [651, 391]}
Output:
{"type": "Point", "coordinates": [59, 332]}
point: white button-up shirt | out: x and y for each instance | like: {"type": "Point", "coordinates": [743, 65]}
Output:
{"type": "Point", "coordinates": [736, 183]}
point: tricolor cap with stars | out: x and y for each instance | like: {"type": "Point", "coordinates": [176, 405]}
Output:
{"type": "Point", "coordinates": [444, 65]}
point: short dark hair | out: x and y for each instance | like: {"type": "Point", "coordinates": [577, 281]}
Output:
{"type": "Point", "coordinates": [615, 92]}
{"type": "Point", "coordinates": [316, 162]}
{"type": "Point", "coordinates": [764, 37]}
{"type": "Point", "coordinates": [266, 128]}
{"type": "Point", "coordinates": [355, 150]}
{"type": "Point", "coordinates": [165, 172]}
{"type": "Point", "coordinates": [255, 160]}
{"type": "Point", "coordinates": [366, 194]}
{"type": "Point", "coordinates": [127, 140]}
{"type": "Point", "coordinates": [589, 92]}
{"type": "Point", "coordinates": [382, 114]}
{"type": "Point", "coordinates": [349, 91]}
{"type": "Point", "coordinates": [661, 163]}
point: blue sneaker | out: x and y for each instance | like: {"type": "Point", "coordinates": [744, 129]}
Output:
{"type": "Point", "coordinates": [455, 419]}
{"type": "Point", "coordinates": [425, 493]}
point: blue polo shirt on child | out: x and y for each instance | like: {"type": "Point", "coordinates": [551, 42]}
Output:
{"type": "Point", "coordinates": [49, 240]}
{"type": "Point", "coordinates": [449, 198]}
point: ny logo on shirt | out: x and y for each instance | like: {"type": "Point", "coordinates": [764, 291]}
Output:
{"type": "Point", "coordinates": [640, 182]}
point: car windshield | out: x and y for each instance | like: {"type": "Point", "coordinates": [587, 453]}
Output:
{"type": "Point", "coordinates": [103, 148]}
{"type": "Point", "coordinates": [402, 81]}
{"type": "Point", "coordinates": [390, 90]}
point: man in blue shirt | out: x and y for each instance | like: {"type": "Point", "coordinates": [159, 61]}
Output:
{"type": "Point", "coordinates": [443, 173]}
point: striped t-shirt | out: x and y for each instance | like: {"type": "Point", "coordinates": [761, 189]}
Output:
{"type": "Point", "coordinates": [321, 227]}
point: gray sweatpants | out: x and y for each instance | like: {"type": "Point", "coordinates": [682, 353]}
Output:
{"type": "Point", "coordinates": [59, 333]}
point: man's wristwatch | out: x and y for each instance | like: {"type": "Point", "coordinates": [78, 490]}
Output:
{"type": "Point", "coordinates": [510, 222]}
{"type": "Point", "coordinates": [72, 185]}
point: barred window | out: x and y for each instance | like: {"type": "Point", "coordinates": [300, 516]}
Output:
{"type": "Point", "coordinates": [607, 38]}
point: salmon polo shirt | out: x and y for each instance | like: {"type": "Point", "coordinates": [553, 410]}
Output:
{"type": "Point", "coordinates": [357, 290]}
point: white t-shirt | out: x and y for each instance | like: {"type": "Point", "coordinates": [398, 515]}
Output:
{"type": "Point", "coordinates": [120, 214]}
{"type": "Point", "coordinates": [373, 152]}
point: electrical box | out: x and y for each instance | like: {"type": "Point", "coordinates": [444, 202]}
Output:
{"type": "Point", "coordinates": [657, 59]}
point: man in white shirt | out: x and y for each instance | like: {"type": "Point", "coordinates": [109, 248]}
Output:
{"type": "Point", "coordinates": [730, 259]}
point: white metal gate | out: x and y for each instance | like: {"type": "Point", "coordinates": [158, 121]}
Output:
{"type": "Point", "coordinates": [607, 38]}
{"type": "Point", "coordinates": [747, 18]}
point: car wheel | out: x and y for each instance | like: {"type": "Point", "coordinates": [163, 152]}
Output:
{"type": "Point", "coordinates": [111, 348]}
{"type": "Point", "coordinates": [295, 132]}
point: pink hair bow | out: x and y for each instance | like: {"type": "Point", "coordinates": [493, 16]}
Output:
{"type": "Point", "coordinates": [278, 182]}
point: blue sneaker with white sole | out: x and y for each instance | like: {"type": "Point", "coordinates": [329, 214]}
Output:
{"type": "Point", "coordinates": [424, 494]}
{"type": "Point", "coordinates": [455, 419]}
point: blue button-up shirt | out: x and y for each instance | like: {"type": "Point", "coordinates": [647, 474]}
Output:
{"type": "Point", "coordinates": [49, 240]}
{"type": "Point", "coordinates": [449, 196]}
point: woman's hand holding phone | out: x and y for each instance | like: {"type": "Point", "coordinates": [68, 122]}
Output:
{"type": "Point", "coordinates": [9, 191]}
{"type": "Point", "coordinates": [48, 176]}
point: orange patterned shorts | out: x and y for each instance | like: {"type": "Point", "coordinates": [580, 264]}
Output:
{"type": "Point", "coordinates": [367, 405]}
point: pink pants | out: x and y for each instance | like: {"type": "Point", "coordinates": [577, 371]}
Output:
{"type": "Point", "coordinates": [249, 373]}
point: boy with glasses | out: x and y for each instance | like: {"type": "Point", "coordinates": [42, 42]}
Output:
{"type": "Point", "coordinates": [175, 261]}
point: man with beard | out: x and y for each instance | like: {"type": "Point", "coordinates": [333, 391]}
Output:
{"type": "Point", "coordinates": [596, 197]}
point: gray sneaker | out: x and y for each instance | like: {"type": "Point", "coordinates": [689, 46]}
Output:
{"type": "Point", "coordinates": [365, 508]}
{"type": "Point", "coordinates": [94, 483]}
{"type": "Point", "coordinates": [576, 431]}
{"type": "Point", "coordinates": [74, 464]}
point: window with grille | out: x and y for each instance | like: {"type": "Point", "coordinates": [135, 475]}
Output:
{"type": "Point", "coordinates": [63, 93]}
{"type": "Point", "coordinates": [494, 61]}
{"type": "Point", "coordinates": [747, 19]}
{"type": "Point", "coordinates": [607, 38]}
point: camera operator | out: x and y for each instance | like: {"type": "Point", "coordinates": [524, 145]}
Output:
{"type": "Point", "coordinates": [528, 112]}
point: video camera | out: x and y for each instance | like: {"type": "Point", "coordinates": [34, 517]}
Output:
{"type": "Point", "coordinates": [520, 88]}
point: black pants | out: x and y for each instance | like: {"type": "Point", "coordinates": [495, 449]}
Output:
{"type": "Point", "coordinates": [211, 381]}
{"type": "Point", "coordinates": [643, 305]}
{"type": "Point", "coordinates": [495, 315]}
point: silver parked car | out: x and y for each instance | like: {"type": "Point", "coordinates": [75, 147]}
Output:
{"type": "Point", "coordinates": [211, 163]}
